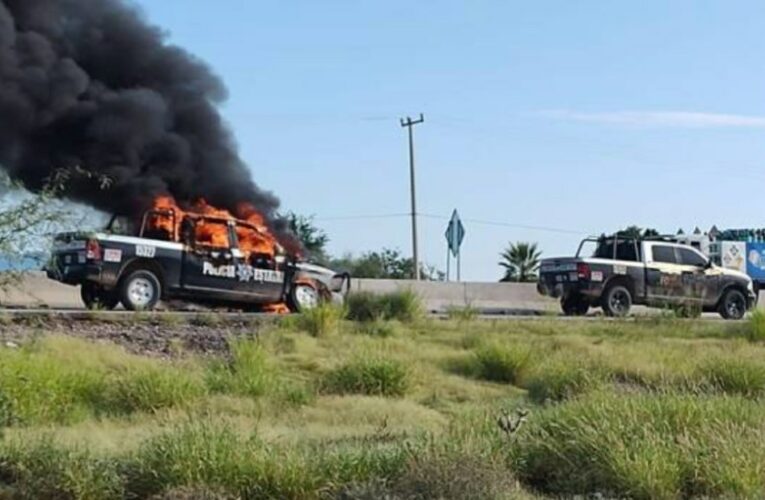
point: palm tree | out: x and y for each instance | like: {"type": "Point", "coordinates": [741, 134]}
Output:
{"type": "Point", "coordinates": [520, 261]}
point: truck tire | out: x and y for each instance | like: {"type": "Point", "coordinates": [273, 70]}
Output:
{"type": "Point", "coordinates": [732, 304]}
{"type": "Point", "coordinates": [140, 290]}
{"type": "Point", "coordinates": [303, 297]}
{"type": "Point", "coordinates": [617, 301]}
{"type": "Point", "coordinates": [96, 298]}
{"type": "Point", "coordinates": [574, 305]}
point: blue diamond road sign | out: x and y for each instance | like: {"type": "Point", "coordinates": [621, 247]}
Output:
{"type": "Point", "coordinates": [455, 234]}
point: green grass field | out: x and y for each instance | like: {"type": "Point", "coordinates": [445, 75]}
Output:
{"type": "Point", "coordinates": [322, 407]}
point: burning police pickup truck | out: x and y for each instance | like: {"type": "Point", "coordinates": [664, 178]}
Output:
{"type": "Point", "coordinates": [653, 272]}
{"type": "Point", "coordinates": [204, 255]}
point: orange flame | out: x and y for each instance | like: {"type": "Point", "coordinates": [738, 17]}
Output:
{"type": "Point", "coordinates": [211, 226]}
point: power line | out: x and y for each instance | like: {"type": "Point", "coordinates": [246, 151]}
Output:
{"type": "Point", "coordinates": [472, 221]}
{"type": "Point", "coordinates": [511, 224]}
{"type": "Point", "coordinates": [362, 217]}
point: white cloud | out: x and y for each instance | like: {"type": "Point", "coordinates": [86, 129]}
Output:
{"type": "Point", "coordinates": [678, 119]}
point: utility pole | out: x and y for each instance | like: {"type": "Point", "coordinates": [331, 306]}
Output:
{"type": "Point", "coordinates": [409, 124]}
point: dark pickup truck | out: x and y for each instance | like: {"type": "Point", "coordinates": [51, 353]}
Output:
{"type": "Point", "coordinates": [139, 271]}
{"type": "Point", "coordinates": [651, 272]}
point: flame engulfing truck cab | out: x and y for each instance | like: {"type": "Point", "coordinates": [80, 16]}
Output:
{"type": "Point", "coordinates": [200, 254]}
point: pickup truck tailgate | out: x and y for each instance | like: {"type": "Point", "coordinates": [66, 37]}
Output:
{"type": "Point", "coordinates": [67, 254]}
{"type": "Point", "coordinates": [554, 274]}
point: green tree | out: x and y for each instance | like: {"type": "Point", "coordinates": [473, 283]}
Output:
{"type": "Point", "coordinates": [313, 239]}
{"type": "Point", "coordinates": [637, 232]}
{"type": "Point", "coordinates": [521, 261]}
{"type": "Point", "coordinates": [385, 264]}
{"type": "Point", "coordinates": [29, 220]}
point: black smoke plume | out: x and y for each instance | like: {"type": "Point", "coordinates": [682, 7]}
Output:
{"type": "Point", "coordinates": [89, 84]}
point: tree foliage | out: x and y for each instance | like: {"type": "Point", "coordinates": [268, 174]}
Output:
{"type": "Point", "coordinates": [29, 220]}
{"type": "Point", "coordinates": [385, 264]}
{"type": "Point", "coordinates": [313, 238]}
{"type": "Point", "coordinates": [520, 261]}
{"type": "Point", "coordinates": [637, 232]}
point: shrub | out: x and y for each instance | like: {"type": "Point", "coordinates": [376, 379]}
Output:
{"type": "Point", "coordinates": [644, 446]}
{"type": "Point", "coordinates": [462, 314]}
{"type": "Point", "coordinates": [559, 379]}
{"type": "Point", "coordinates": [501, 363]}
{"type": "Point", "coordinates": [204, 456]}
{"type": "Point", "coordinates": [440, 476]}
{"type": "Point", "coordinates": [7, 417]}
{"type": "Point", "coordinates": [149, 389]}
{"type": "Point", "coordinates": [39, 389]}
{"type": "Point", "coordinates": [321, 320]}
{"type": "Point", "coordinates": [371, 376]}
{"type": "Point", "coordinates": [294, 394]}
{"type": "Point", "coordinates": [364, 306]}
{"type": "Point", "coordinates": [64, 381]}
{"type": "Point", "coordinates": [687, 310]}
{"type": "Point", "coordinates": [40, 469]}
{"type": "Point", "coordinates": [376, 328]}
{"type": "Point", "coordinates": [733, 376]}
{"type": "Point", "coordinates": [405, 306]}
{"type": "Point", "coordinates": [755, 328]}
{"type": "Point", "coordinates": [246, 373]}
{"type": "Point", "coordinates": [190, 454]}
{"type": "Point", "coordinates": [195, 493]}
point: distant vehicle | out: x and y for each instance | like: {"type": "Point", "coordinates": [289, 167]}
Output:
{"type": "Point", "coordinates": [199, 258]}
{"type": "Point", "coordinates": [622, 272]}
{"type": "Point", "coordinates": [738, 249]}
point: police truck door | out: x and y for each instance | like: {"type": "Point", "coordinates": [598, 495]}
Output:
{"type": "Point", "coordinates": [664, 274]}
{"type": "Point", "coordinates": [209, 263]}
{"type": "Point", "coordinates": [258, 274]}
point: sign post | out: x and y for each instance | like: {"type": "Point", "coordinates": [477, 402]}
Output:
{"type": "Point", "coordinates": [455, 235]}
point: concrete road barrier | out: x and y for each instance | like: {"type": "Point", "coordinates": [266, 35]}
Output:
{"type": "Point", "coordinates": [37, 291]}
{"type": "Point", "coordinates": [439, 296]}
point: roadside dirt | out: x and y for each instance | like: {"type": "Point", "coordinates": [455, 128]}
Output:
{"type": "Point", "coordinates": [161, 336]}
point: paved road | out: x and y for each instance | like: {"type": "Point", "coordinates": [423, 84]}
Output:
{"type": "Point", "coordinates": [39, 295]}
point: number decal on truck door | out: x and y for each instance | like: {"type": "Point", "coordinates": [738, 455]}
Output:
{"type": "Point", "coordinates": [146, 251]}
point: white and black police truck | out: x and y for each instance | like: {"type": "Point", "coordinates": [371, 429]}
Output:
{"type": "Point", "coordinates": [138, 268]}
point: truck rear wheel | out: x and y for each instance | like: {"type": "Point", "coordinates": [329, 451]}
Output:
{"type": "Point", "coordinates": [617, 301]}
{"type": "Point", "coordinates": [140, 291]}
{"type": "Point", "coordinates": [96, 298]}
{"type": "Point", "coordinates": [733, 304]}
{"type": "Point", "coordinates": [574, 305]}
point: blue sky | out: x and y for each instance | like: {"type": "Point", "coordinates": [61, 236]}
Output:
{"type": "Point", "coordinates": [581, 116]}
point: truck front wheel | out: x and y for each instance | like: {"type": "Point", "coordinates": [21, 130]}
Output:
{"type": "Point", "coordinates": [733, 304]}
{"type": "Point", "coordinates": [140, 291]}
{"type": "Point", "coordinates": [574, 305]}
{"type": "Point", "coordinates": [617, 301]}
{"type": "Point", "coordinates": [303, 297]}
